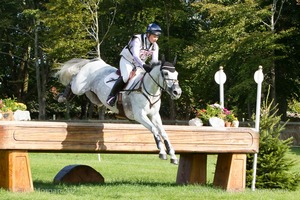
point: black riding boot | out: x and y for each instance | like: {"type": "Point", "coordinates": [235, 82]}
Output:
{"type": "Point", "coordinates": [119, 84]}
{"type": "Point", "coordinates": [66, 95]}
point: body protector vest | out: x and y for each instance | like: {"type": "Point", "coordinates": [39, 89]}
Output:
{"type": "Point", "coordinates": [146, 50]}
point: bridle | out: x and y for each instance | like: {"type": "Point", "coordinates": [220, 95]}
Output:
{"type": "Point", "coordinates": [161, 87]}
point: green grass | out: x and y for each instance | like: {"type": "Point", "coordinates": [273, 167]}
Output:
{"type": "Point", "coordinates": [131, 177]}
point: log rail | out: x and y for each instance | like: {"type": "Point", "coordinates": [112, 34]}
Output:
{"type": "Point", "coordinates": [192, 143]}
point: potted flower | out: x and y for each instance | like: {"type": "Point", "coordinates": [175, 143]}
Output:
{"type": "Point", "coordinates": [229, 119]}
{"type": "Point", "coordinates": [216, 115]}
{"type": "Point", "coordinates": [211, 111]}
{"type": "Point", "coordinates": [8, 107]}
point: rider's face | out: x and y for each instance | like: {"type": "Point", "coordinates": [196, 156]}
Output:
{"type": "Point", "coordinates": [153, 38]}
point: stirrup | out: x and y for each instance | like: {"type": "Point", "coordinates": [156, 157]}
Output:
{"type": "Point", "coordinates": [111, 100]}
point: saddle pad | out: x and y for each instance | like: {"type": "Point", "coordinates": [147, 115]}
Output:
{"type": "Point", "coordinates": [112, 77]}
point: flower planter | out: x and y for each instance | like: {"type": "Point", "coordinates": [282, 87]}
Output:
{"type": "Point", "coordinates": [6, 116]}
{"type": "Point", "coordinates": [15, 116]}
{"type": "Point", "coordinates": [235, 123]}
{"type": "Point", "coordinates": [20, 115]}
{"type": "Point", "coordinates": [227, 124]}
{"type": "Point", "coordinates": [216, 122]}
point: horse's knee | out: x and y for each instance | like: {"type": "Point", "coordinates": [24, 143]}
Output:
{"type": "Point", "coordinates": [154, 130]}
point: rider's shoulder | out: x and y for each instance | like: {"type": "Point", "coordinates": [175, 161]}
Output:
{"type": "Point", "coordinates": [137, 36]}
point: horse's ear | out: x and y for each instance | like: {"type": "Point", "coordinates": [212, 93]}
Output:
{"type": "Point", "coordinates": [175, 60]}
{"type": "Point", "coordinates": [163, 59]}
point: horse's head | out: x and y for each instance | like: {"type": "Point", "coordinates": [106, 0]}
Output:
{"type": "Point", "coordinates": [170, 82]}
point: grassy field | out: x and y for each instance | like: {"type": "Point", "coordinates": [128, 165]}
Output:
{"type": "Point", "coordinates": [131, 177]}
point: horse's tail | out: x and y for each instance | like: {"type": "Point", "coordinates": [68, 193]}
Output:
{"type": "Point", "coordinates": [69, 69]}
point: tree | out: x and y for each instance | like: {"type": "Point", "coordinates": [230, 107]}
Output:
{"type": "Point", "coordinates": [19, 37]}
{"type": "Point", "coordinates": [31, 13]}
{"type": "Point", "coordinates": [233, 34]}
{"type": "Point", "coordinates": [287, 67]}
{"type": "Point", "coordinates": [67, 37]}
{"type": "Point", "coordinates": [74, 35]}
{"type": "Point", "coordinates": [93, 28]}
{"type": "Point", "coordinates": [226, 37]}
{"type": "Point", "coordinates": [275, 14]}
{"type": "Point", "coordinates": [10, 54]}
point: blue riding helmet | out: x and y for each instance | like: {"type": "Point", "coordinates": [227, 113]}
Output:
{"type": "Point", "coordinates": [154, 29]}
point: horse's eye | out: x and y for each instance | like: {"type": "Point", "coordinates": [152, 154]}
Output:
{"type": "Point", "coordinates": [166, 73]}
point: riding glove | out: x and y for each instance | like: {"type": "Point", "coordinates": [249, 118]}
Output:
{"type": "Point", "coordinates": [147, 67]}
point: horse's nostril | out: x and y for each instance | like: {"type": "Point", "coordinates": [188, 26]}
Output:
{"type": "Point", "coordinates": [176, 93]}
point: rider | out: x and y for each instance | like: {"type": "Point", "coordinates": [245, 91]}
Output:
{"type": "Point", "coordinates": [135, 54]}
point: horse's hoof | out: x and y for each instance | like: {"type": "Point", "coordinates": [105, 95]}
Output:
{"type": "Point", "coordinates": [174, 161]}
{"type": "Point", "coordinates": [163, 156]}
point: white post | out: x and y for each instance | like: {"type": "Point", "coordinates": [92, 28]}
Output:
{"type": "Point", "coordinates": [258, 77]}
{"type": "Point", "coordinates": [220, 78]}
{"type": "Point", "coordinates": [221, 89]}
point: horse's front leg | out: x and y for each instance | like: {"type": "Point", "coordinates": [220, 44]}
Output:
{"type": "Point", "coordinates": [156, 120]}
{"type": "Point", "coordinates": [142, 118]}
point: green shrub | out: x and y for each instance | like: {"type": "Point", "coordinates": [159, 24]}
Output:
{"type": "Point", "coordinates": [272, 163]}
{"type": "Point", "coordinates": [294, 106]}
{"type": "Point", "coordinates": [11, 105]}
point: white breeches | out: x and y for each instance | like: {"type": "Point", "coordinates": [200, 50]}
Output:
{"type": "Point", "coordinates": [126, 67]}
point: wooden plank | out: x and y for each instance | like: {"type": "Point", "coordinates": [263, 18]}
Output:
{"type": "Point", "coordinates": [122, 138]}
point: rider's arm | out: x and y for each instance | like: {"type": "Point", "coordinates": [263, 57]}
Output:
{"type": "Point", "coordinates": [135, 50]}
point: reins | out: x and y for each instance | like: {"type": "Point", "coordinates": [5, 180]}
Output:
{"type": "Point", "coordinates": [161, 88]}
{"type": "Point", "coordinates": [142, 88]}
{"type": "Point", "coordinates": [153, 95]}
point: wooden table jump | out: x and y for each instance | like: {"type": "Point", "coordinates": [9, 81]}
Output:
{"type": "Point", "coordinates": [192, 143]}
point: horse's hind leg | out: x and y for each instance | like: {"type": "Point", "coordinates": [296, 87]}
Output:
{"type": "Point", "coordinates": [66, 95]}
{"type": "Point", "coordinates": [93, 98]}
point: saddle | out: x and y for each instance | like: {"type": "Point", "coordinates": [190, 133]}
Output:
{"type": "Point", "coordinates": [111, 78]}
{"type": "Point", "coordinates": [134, 79]}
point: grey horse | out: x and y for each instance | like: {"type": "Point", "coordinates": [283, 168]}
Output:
{"type": "Point", "coordinates": [140, 98]}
